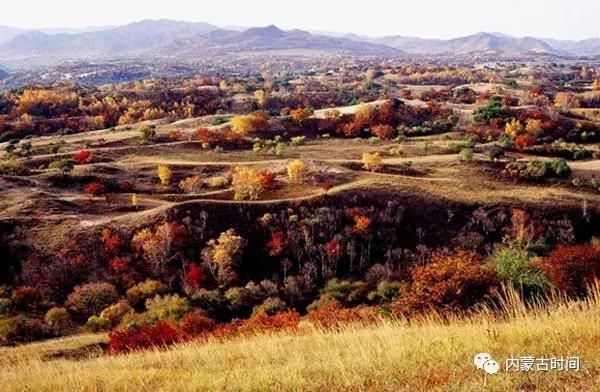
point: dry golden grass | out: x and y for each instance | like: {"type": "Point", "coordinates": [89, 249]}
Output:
{"type": "Point", "coordinates": [431, 355]}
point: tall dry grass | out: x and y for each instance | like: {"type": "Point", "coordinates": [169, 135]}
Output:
{"type": "Point", "coordinates": [434, 354]}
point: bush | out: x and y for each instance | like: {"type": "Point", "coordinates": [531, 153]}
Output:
{"type": "Point", "coordinates": [345, 291]}
{"type": "Point", "coordinates": [385, 291]}
{"type": "Point", "coordinates": [161, 334]}
{"type": "Point", "coordinates": [114, 313]}
{"type": "Point", "coordinates": [59, 321]}
{"type": "Point", "coordinates": [97, 324]}
{"type": "Point", "coordinates": [371, 161]}
{"type": "Point", "coordinates": [89, 299]}
{"type": "Point", "coordinates": [447, 284]}
{"type": "Point", "coordinates": [6, 305]}
{"type": "Point", "coordinates": [513, 265]}
{"type": "Point", "coordinates": [138, 294]}
{"type": "Point", "coordinates": [22, 329]}
{"type": "Point", "coordinates": [385, 132]}
{"type": "Point", "coordinates": [263, 323]}
{"type": "Point", "coordinates": [197, 324]}
{"type": "Point", "coordinates": [26, 297]}
{"type": "Point", "coordinates": [171, 307]}
{"type": "Point", "coordinates": [333, 315]}
{"type": "Point", "coordinates": [570, 268]}
{"type": "Point", "coordinates": [209, 300]}
{"type": "Point", "coordinates": [239, 299]}
{"type": "Point", "coordinates": [270, 306]}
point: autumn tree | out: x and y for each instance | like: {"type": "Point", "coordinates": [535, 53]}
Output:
{"type": "Point", "coordinates": [164, 174]}
{"type": "Point", "coordinates": [191, 185]}
{"type": "Point", "coordinates": [247, 183]}
{"type": "Point", "coordinates": [534, 126]}
{"type": "Point", "coordinates": [158, 247]}
{"type": "Point", "coordinates": [513, 128]}
{"type": "Point", "coordinates": [382, 131]}
{"type": "Point", "coordinates": [296, 170]}
{"type": "Point", "coordinates": [244, 124]}
{"type": "Point", "coordinates": [300, 114]}
{"type": "Point", "coordinates": [222, 257]}
{"type": "Point", "coordinates": [565, 101]}
{"type": "Point", "coordinates": [371, 161]}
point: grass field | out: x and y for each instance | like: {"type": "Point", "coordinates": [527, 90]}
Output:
{"type": "Point", "coordinates": [430, 355]}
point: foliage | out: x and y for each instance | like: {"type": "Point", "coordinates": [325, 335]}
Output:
{"type": "Point", "coordinates": [570, 268]}
{"type": "Point", "coordinates": [89, 299]}
{"type": "Point", "coordinates": [82, 156]}
{"type": "Point", "coordinates": [270, 306]}
{"type": "Point", "coordinates": [222, 257]}
{"type": "Point", "coordinates": [164, 174]}
{"type": "Point", "coordinates": [159, 335]}
{"type": "Point", "coordinates": [513, 265]}
{"type": "Point", "coordinates": [250, 123]}
{"type": "Point", "coordinates": [382, 131]}
{"type": "Point", "coordinates": [114, 313]}
{"type": "Point", "coordinates": [492, 110]}
{"type": "Point", "coordinates": [171, 307]}
{"type": "Point", "coordinates": [59, 321]}
{"type": "Point", "coordinates": [332, 315]}
{"type": "Point", "coordinates": [95, 324]}
{"type": "Point", "coordinates": [447, 284]}
{"type": "Point", "coordinates": [197, 323]}
{"type": "Point", "coordinates": [247, 183]}
{"type": "Point", "coordinates": [296, 170]}
{"type": "Point", "coordinates": [138, 294]}
{"type": "Point", "coordinates": [371, 161]}
{"type": "Point", "coordinates": [157, 247]}
{"type": "Point", "coordinates": [22, 329]}
{"type": "Point", "coordinates": [191, 185]}
{"type": "Point", "coordinates": [63, 165]}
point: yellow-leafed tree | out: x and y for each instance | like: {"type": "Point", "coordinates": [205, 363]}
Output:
{"type": "Point", "coordinates": [164, 174]}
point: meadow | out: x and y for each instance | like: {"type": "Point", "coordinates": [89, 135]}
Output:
{"type": "Point", "coordinates": [431, 354]}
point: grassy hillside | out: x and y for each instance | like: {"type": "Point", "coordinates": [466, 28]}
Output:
{"type": "Point", "coordinates": [431, 355]}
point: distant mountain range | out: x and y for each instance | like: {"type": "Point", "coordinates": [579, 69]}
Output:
{"type": "Point", "coordinates": [166, 38]}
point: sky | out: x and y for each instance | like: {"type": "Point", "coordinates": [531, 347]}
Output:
{"type": "Point", "coordinates": [572, 19]}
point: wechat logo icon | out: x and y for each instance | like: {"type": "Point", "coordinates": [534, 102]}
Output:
{"type": "Point", "coordinates": [485, 362]}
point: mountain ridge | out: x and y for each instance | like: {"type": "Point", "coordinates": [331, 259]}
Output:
{"type": "Point", "coordinates": [166, 37]}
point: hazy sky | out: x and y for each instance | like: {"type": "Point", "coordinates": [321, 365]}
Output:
{"type": "Point", "coordinates": [425, 18]}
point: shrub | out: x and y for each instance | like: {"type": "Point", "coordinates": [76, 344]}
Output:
{"type": "Point", "coordinates": [114, 313]}
{"type": "Point", "coordinates": [197, 324]}
{"type": "Point", "coordinates": [263, 323]}
{"type": "Point", "coordinates": [492, 110]}
{"type": "Point", "coordinates": [385, 291]}
{"type": "Point", "coordinates": [191, 185]}
{"type": "Point", "coordinates": [247, 183]}
{"type": "Point", "coordinates": [94, 188]}
{"type": "Point", "coordinates": [371, 161]}
{"type": "Point", "coordinates": [97, 324]}
{"type": "Point", "coordinates": [161, 334]}
{"type": "Point", "coordinates": [345, 291]}
{"type": "Point", "coordinates": [385, 132]}
{"type": "Point", "coordinates": [171, 307]}
{"type": "Point", "coordinates": [209, 300]}
{"type": "Point", "coordinates": [570, 268]}
{"type": "Point", "coordinates": [270, 306]}
{"type": "Point", "coordinates": [217, 182]}
{"type": "Point", "coordinates": [447, 284]}
{"type": "Point", "coordinates": [22, 329]}
{"type": "Point", "coordinates": [333, 315]}
{"type": "Point", "coordinates": [194, 276]}
{"type": "Point", "coordinates": [89, 299]}
{"type": "Point", "coordinates": [239, 299]}
{"type": "Point", "coordinates": [164, 174]}
{"type": "Point", "coordinates": [59, 321]}
{"type": "Point", "coordinates": [26, 297]}
{"type": "Point", "coordinates": [12, 167]}
{"type": "Point", "coordinates": [513, 265]}
{"type": "Point", "coordinates": [297, 169]}
{"type": "Point", "coordinates": [82, 156]}
{"type": "Point", "coordinates": [138, 294]}
{"type": "Point", "coordinates": [6, 305]}
{"type": "Point", "coordinates": [63, 165]}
